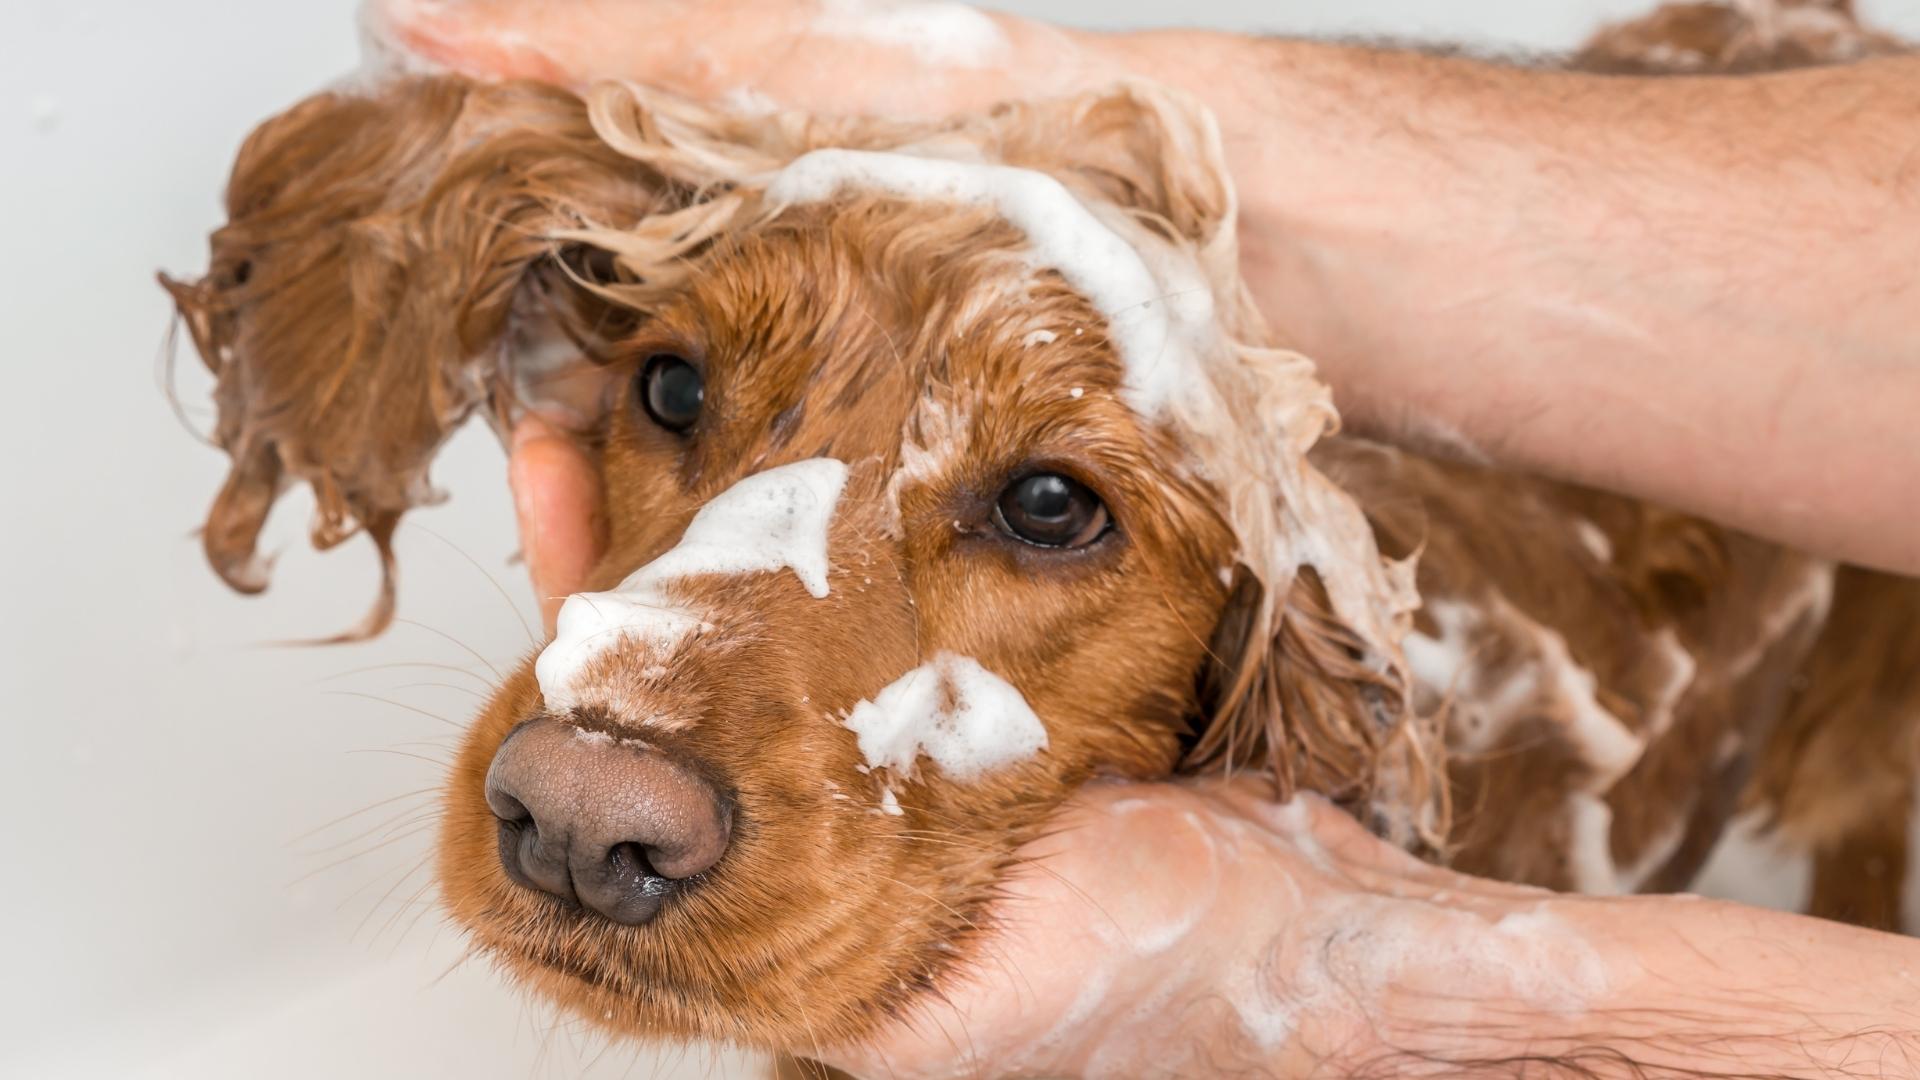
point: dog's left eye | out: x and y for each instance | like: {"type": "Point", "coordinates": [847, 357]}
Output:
{"type": "Point", "coordinates": [671, 390]}
{"type": "Point", "coordinates": [1050, 510]}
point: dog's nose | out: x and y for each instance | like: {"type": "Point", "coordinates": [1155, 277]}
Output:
{"type": "Point", "coordinates": [612, 823]}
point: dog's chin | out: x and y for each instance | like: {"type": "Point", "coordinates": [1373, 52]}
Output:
{"type": "Point", "coordinates": [667, 981]}
{"type": "Point", "coordinates": [657, 1003]}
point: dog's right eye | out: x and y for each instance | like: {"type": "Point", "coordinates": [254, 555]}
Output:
{"type": "Point", "coordinates": [1051, 510]}
{"type": "Point", "coordinates": [671, 390]}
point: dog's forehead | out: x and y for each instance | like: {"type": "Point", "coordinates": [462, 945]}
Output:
{"type": "Point", "coordinates": [879, 312]}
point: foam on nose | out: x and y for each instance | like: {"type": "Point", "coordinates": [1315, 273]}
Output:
{"type": "Point", "coordinates": [770, 521]}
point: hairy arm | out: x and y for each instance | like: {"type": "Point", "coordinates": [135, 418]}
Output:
{"type": "Point", "coordinates": [1196, 929]}
{"type": "Point", "coordinates": [1701, 291]}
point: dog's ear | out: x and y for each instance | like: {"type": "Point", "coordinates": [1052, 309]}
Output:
{"type": "Point", "coordinates": [1291, 688]}
{"type": "Point", "coordinates": [358, 297]}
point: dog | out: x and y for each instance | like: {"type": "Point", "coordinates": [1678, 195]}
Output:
{"type": "Point", "coordinates": [948, 466]}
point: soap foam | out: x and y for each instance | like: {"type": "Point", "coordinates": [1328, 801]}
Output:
{"type": "Point", "coordinates": [772, 520]}
{"type": "Point", "coordinates": [964, 718]}
{"type": "Point", "coordinates": [1156, 322]}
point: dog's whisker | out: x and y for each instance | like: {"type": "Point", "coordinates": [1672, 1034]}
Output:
{"type": "Point", "coordinates": [374, 909]}
{"type": "Point", "coordinates": [435, 717]}
{"type": "Point", "coordinates": [345, 859]}
{"type": "Point", "coordinates": [467, 690]}
{"type": "Point", "coordinates": [405, 664]}
{"type": "Point", "coordinates": [470, 650]}
{"type": "Point", "coordinates": [438, 763]}
{"type": "Point", "coordinates": [405, 816]}
{"type": "Point", "coordinates": [519, 616]}
{"type": "Point", "coordinates": [414, 794]}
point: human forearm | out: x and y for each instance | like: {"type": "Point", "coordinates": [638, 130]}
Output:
{"type": "Point", "coordinates": [1691, 988]}
{"type": "Point", "coordinates": [1699, 291]}
{"type": "Point", "coordinates": [1320, 951]}
{"type": "Point", "coordinates": [1296, 944]}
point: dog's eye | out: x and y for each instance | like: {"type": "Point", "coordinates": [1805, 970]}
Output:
{"type": "Point", "coordinates": [671, 391]}
{"type": "Point", "coordinates": [1050, 510]}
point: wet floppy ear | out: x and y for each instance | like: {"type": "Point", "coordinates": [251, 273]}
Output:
{"type": "Point", "coordinates": [1291, 688]}
{"type": "Point", "coordinates": [380, 250]}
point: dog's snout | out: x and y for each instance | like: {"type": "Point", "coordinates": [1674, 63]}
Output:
{"type": "Point", "coordinates": [611, 823]}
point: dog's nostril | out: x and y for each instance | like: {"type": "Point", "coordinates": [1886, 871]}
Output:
{"type": "Point", "coordinates": [505, 807]}
{"type": "Point", "coordinates": [522, 859]}
{"type": "Point", "coordinates": [612, 825]}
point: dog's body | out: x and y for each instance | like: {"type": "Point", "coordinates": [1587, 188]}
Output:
{"type": "Point", "coordinates": [888, 357]}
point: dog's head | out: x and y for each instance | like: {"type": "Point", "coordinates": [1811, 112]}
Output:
{"type": "Point", "coordinates": [946, 467]}
{"type": "Point", "coordinates": [937, 474]}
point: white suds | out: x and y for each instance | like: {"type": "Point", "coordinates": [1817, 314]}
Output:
{"type": "Point", "coordinates": [1681, 670]}
{"type": "Point", "coordinates": [1040, 337]}
{"type": "Point", "coordinates": [1158, 324]}
{"type": "Point", "coordinates": [939, 34]}
{"type": "Point", "coordinates": [1609, 748]}
{"type": "Point", "coordinates": [1439, 663]}
{"type": "Point", "coordinates": [1594, 539]}
{"type": "Point", "coordinates": [1590, 845]}
{"type": "Point", "coordinates": [773, 520]}
{"type": "Point", "coordinates": [889, 805]}
{"type": "Point", "coordinates": [966, 719]}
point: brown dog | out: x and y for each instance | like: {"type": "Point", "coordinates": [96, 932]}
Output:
{"type": "Point", "coordinates": [949, 466]}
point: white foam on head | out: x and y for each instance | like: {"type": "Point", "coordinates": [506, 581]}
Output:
{"type": "Point", "coordinates": [964, 718]}
{"type": "Point", "coordinates": [1606, 743]}
{"type": "Point", "coordinates": [770, 521]}
{"type": "Point", "coordinates": [1439, 663]}
{"type": "Point", "coordinates": [1594, 539]}
{"type": "Point", "coordinates": [939, 34]}
{"type": "Point", "coordinates": [1159, 317]}
{"type": "Point", "coordinates": [1590, 845]}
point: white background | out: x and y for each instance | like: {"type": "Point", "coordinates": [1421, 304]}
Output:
{"type": "Point", "coordinates": [160, 912]}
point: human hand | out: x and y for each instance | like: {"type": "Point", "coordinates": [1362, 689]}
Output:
{"type": "Point", "coordinates": [556, 501]}
{"type": "Point", "coordinates": [909, 59]}
{"type": "Point", "coordinates": [1201, 927]}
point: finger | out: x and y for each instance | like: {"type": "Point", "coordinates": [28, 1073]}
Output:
{"type": "Point", "coordinates": [485, 40]}
{"type": "Point", "coordinates": [556, 499]}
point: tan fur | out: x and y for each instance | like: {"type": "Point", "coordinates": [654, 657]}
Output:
{"type": "Point", "coordinates": [1710, 37]}
{"type": "Point", "coordinates": [1580, 702]}
{"type": "Point", "coordinates": [358, 296]}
